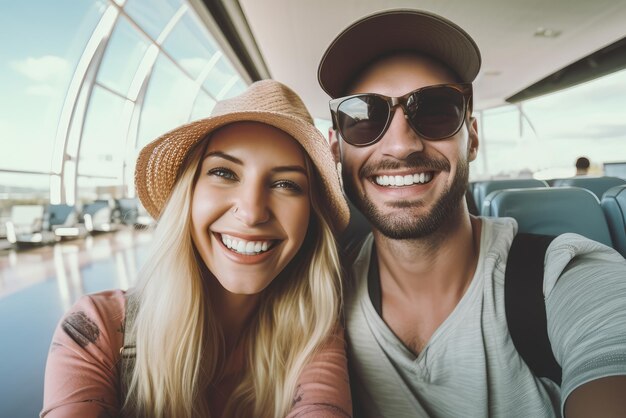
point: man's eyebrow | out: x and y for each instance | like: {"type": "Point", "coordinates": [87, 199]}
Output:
{"type": "Point", "coordinates": [223, 155]}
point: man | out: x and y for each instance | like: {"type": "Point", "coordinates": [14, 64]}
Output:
{"type": "Point", "coordinates": [425, 317]}
{"type": "Point", "coordinates": [582, 166]}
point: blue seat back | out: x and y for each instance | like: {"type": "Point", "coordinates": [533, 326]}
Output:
{"type": "Point", "coordinates": [614, 206]}
{"type": "Point", "coordinates": [58, 214]}
{"type": "Point", "coordinates": [551, 211]}
{"type": "Point", "coordinates": [482, 188]}
{"type": "Point", "coordinates": [597, 185]}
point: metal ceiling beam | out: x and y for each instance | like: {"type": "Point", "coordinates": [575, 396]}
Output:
{"type": "Point", "coordinates": [605, 61]}
{"type": "Point", "coordinates": [234, 26]}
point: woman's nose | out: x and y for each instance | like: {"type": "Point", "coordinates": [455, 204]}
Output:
{"type": "Point", "coordinates": [251, 207]}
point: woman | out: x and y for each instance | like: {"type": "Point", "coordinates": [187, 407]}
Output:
{"type": "Point", "coordinates": [235, 312]}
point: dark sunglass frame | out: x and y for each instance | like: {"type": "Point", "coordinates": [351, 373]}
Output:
{"type": "Point", "coordinates": [393, 102]}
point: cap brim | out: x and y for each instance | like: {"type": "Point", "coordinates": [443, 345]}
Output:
{"type": "Point", "coordinates": [385, 33]}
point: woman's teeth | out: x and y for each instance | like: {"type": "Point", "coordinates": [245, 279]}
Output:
{"type": "Point", "coordinates": [407, 180]}
{"type": "Point", "coordinates": [245, 247]}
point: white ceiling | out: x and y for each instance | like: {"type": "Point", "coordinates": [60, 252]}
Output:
{"type": "Point", "coordinates": [292, 35]}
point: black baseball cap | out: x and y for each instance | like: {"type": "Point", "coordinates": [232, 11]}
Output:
{"type": "Point", "coordinates": [400, 30]}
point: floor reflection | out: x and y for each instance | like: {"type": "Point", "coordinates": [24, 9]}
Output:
{"type": "Point", "coordinates": [36, 287]}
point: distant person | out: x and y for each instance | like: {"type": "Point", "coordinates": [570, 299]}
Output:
{"type": "Point", "coordinates": [425, 307]}
{"type": "Point", "coordinates": [582, 166]}
{"type": "Point", "coordinates": [236, 311]}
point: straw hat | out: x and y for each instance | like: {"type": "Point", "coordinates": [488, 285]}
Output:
{"type": "Point", "coordinates": [391, 31]}
{"type": "Point", "coordinates": [265, 101]}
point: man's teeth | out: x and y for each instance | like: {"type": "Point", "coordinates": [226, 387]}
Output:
{"type": "Point", "coordinates": [407, 180]}
{"type": "Point", "coordinates": [245, 247]}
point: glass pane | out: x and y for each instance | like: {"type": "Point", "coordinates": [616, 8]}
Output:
{"type": "Point", "coordinates": [191, 52]}
{"type": "Point", "coordinates": [507, 149]}
{"type": "Point", "coordinates": [168, 102]}
{"type": "Point", "coordinates": [91, 189]}
{"type": "Point", "coordinates": [239, 87]}
{"type": "Point", "coordinates": [586, 120]}
{"type": "Point", "coordinates": [36, 73]}
{"type": "Point", "coordinates": [152, 15]}
{"type": "Point", "coordinates": [202, 107]}
{"type": "Point", "coordinates": [104, 137]}
{"type": "Point", "coordinates": [124, 52]}
{"type": "Point", "coordinates": [219, 77]}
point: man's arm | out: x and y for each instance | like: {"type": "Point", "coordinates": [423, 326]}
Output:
{"type": "Point", "coordinates": [585, 289]}
{"type": "Point", "coordinates": [605, 397]}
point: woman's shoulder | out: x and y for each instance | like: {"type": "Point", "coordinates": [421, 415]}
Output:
{"type": "Point", "coordinates": [96, 320]}
{"type": "Point", "coordinates": [107, 307]}
{"type": "Point", "coordinates": [81, 371]}
{"type": "Point", "coordinates": [108, 302]}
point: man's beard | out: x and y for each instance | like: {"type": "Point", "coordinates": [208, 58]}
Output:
{"type": "Point", "coordinates": [405, 225]}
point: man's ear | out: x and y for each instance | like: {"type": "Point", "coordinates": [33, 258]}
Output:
{"type": "Point", "coordinates": [472, 127]}
{"type": "Point", "coordinates": [334, 144]}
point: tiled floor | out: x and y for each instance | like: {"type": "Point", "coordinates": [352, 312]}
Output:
{"type": "Point", "coordinates": [36, 287]}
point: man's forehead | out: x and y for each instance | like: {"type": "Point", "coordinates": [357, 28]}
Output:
{"type": "Point", "coordinates": [402, 69]}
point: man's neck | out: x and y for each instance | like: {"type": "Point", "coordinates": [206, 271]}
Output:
{"type": "Point", "coordinates": [426, 278]}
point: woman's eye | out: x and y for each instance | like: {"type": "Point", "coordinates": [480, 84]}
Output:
{"type": "Point", "coordinates": [223, 173]}
{"type": "Point", "coordinates": [289, 185]}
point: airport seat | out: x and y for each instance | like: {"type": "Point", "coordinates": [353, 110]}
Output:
{"type": "Point", "coordinates": [126, 211]}
{"type": "Point", "coordinates": [63, 221]}
{"type": "Point", "coordinates": [551, 211]}
{"type": "Point", "coordinates": [25, 228]}
{"type": "Point", "coordinates": [482, 188]}
{"type": "Point", "coordinates": [614, 207]}
{"type": "Point", "coordinates": [98, 217]}
{"type": "Point", "coordinates": [597, 185]}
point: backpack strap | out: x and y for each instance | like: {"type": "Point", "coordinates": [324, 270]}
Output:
{"type": "Point", "coordinates": [525, 304]}
{"type": "Point", "coordinates": [128, 350]}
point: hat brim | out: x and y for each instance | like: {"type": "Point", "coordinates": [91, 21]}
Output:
{"type": "Point", "coordinates": [159, 162]}
{"type": "Point", "coordinates": [392, 31]}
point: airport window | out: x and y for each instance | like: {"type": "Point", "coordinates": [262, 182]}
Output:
{"type": "Point", "coordinates": [507, 145]}
{"type": "Point", "coordinates": [121, 60]}
{"type": "Point", "coordinates": [202, 107]}
{"type": "Point", "coordinates": [168, 101]}
{"type": "Point", "coordinates": [195, 55]}
{"type": "Point", "coordinates": [544, 136]}
{"type": "Point", "coordinates": [584, 120]}
{"type": "Point", "coordinates": [152, 15]}
{"type": "Point", "coordinates": [221, 79]}
{"type": "Point", "coordinates": [35, 74]}
{"type": "Point", "coordinates": [103, 145]}
{"type": "Point", "coordinates": [128, 72]}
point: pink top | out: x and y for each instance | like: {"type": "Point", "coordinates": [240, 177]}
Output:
{"type": "Point", "coordinates": [82, 375]}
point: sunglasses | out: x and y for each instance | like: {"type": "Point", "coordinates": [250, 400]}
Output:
{"type": "Point", "coordinates": [433, 112]}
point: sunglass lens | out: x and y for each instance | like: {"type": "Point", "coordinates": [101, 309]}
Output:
{"type": "Point", "coordinates": [362, 119]}
{"type": "Point", "coordinates": [436, 113]}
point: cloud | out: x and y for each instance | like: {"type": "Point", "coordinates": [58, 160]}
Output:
{"type": "Point", "coordinates": [42, 90]}
{"type": "Point", "coordinates": [42, 69]}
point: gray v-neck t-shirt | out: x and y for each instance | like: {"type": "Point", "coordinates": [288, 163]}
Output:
{"type": "Point", "coordinates": [470, 366]}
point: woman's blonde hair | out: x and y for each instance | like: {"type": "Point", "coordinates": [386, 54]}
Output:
{"type": "Point", "coordinates": [180, 346]}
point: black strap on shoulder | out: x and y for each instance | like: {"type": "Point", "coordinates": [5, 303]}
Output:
{"type": "Point", "coordinates": [525, 304]}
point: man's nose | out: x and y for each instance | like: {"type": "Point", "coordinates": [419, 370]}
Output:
{"type": "Point", "coordinates": [400, 140]}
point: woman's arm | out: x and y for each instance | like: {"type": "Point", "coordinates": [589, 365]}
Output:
{"type": "Point", "coordinates": [81, 371]}
{"type": "Point", "coordinates": [323, 388]}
